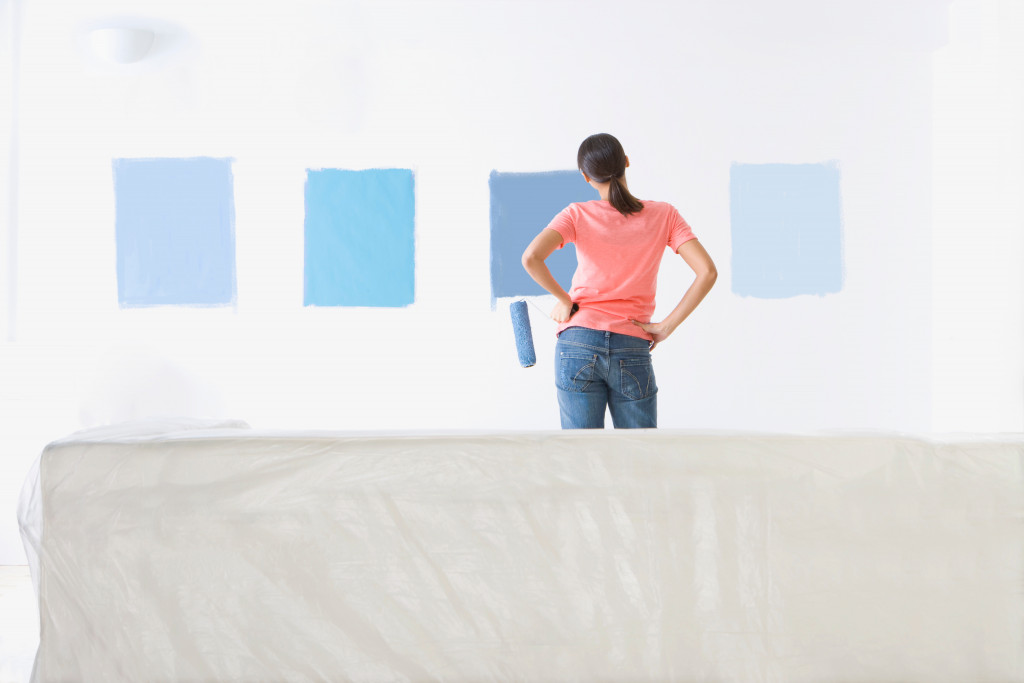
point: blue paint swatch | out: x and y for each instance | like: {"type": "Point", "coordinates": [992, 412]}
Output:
{"type": "Point", "coordinates": [360, 238]}
{"type": "Point", "coordinates": [522, 204]}
{"type": "Point", "coordinates": [786, 230]}
{"type": "Point", "coordinates": [175, 232]}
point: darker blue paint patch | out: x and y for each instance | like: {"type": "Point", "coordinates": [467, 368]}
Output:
{"type": "Point", "coordinates": [786, 230]}
{"type": "Point", "coordinates": [522, 204]}
{"type": "Point", "coordinates": [175, 232]}
{"type": "Point", "coordinates": [360, 238]}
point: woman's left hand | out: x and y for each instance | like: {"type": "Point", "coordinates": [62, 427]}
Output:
{"type": "Point", "coordinates": [562, 311]}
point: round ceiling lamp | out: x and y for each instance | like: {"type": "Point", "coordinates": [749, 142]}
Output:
{"type": "Point", "coordinates": [121, 45]}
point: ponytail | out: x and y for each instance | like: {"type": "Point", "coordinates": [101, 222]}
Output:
{"type": "Point", "coordinates": [621, 199]}
{"type": "Point", "coordinates": [601, 156]}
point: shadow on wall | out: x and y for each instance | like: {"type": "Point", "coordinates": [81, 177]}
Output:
{"type": "Point", "coordinates": [132, 383]}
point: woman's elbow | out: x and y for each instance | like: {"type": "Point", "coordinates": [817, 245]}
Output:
{"type": "Point", "coordinates": [529, 259]}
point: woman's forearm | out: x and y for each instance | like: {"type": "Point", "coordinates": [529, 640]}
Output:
{"type": "Point", "coordinates": [542, 246]}
{"type": "Point", "coordinates": [539, 271]}
{"type": "Point", "coordinates": [702, 284]}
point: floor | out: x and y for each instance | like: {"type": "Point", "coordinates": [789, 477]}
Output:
{"type": "Point", "coordinates": [19, 625]}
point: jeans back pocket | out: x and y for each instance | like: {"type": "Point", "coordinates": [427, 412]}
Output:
{"type": "Point", "coordinates": [575, 370]}
{"type": "Point", "coordinates": [637, 378]}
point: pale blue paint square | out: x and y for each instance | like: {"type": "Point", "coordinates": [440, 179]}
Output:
{"type": "Point", "coordinates": [786, 230]}
{"type": "Point", "coordinates": [360, 238]}
{"type": "Point", "coordinates": [175, 232]}
{"type": "Point", "coordinates": [522, 204]}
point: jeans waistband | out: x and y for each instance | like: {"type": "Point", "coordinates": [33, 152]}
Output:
{"type": "Point", "coordinates": [602, 339]}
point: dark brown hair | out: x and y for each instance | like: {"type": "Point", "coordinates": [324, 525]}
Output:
{"type": "Point", "coordinates": [602, 158]}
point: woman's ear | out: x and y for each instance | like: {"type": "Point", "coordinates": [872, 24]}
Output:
{"type": "Point", "coordinates": [627, 162]}
{"type": "Point", "coordinates": [585, 176]}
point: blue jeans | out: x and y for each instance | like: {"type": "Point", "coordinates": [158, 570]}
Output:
{"type": "Point", "coordinates": [595, 369]}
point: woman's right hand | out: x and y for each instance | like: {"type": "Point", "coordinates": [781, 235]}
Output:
{"type": "Point", "coordinates": [660, 331]}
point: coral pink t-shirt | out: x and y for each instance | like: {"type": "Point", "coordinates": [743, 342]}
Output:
{"type": "Point", "coordinates": [618, 259]}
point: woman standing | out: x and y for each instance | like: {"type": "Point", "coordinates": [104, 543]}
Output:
{"type": "Point", "coordinates": [603, 353]}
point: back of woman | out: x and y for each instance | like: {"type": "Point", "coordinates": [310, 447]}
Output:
{"type": "Point", "coordinates": [603, 357]}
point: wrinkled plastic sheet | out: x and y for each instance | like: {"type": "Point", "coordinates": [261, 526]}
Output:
{"type": "Point", "coordinates": [213, 552]}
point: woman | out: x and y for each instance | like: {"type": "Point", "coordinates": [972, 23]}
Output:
{"type": "Point", "coordinates": [603, 353]}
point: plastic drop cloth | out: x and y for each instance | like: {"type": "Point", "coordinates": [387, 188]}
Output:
{"type": "Point", "coordinates": [233, 555]}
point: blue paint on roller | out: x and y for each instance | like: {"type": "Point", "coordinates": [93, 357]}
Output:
{"type": "Point", "coordinates": [524, 334]}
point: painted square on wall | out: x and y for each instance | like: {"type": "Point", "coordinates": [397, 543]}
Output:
{"type": "Point", "coordinates": [786, 226]}
{"type": "Point", "coordinates": [175, 232]}
{"type": "Point", "coordinates": [360, 238]}
{"type": "Point", "coordinates": [522, 204]}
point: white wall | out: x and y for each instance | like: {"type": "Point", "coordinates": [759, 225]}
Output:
{"type": "Point", "coordinates": [9, 38]}
{"type": "Point", "coordinates": [453, 90]}
{"type": "Point", "coordinates": [978, 224]}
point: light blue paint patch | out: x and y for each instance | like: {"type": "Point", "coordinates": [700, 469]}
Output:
{"type": "Point", "coordinates": [786, 230]}
{"type": "Point", "coordinates": [360, 238]}
{"type": "Point", "coordinates": [175, 232]}
{"type": "Point", "coordinates": [522, 204]}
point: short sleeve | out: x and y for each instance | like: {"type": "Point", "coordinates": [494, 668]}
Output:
{"type": "Point", "coordinates": [679, 230]}
{"type": "Point", "coordinates": [565, 225]}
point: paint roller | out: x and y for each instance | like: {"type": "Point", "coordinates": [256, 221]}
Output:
{"type": "Point", "coordinates": [524, 333]}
